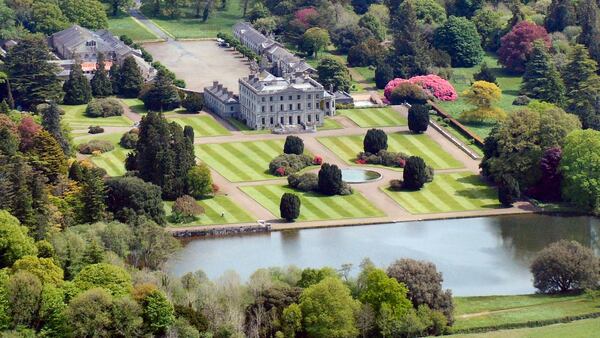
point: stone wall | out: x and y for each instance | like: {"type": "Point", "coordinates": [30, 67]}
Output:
{"type": "Point", "coordinates": [224, 231]}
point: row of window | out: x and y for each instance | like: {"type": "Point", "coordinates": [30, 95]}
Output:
{"type": "Point", "coordinates": [290, 120]}
{"type": "Point", "coordinates": [290, 97]}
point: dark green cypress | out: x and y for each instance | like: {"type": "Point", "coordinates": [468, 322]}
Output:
{"type": "Point", "coordinates": [162, 95]}
{"type": "Point", "coordinates": [51, 122]}
{"type": "Point", "coordinates": [77, 88]}
{"type": "Point", "coordinates": [101, 85]}
{"type": "Point", "coordinates": [130, 78]}
{"type": "Point", "coordinates": [541, 79]}
{"type": "Point", "coordinates": [415, 173]}
{"type": "Point", "coordinates": [289, 206]}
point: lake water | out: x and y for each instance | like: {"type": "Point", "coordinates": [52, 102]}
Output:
{"type": "Point", "coordinates": [477, 256]}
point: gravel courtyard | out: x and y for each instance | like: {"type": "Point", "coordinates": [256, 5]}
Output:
{"type": "Point", "coordinates": [200, 63]}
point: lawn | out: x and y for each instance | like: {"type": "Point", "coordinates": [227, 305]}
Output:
{"type": "Point", "coordinates": [213, 207]}
{"type": "Point", "coordinates": [203, 125]}
{"type": "Point", "coordinates": [461, 79]}
{"type": "Point", "coordinates": [188, 27]}
{"type": "Point", "coordinates": [329, 124]}
{"type": "Point", "coordinates": [346, 147]}
{"type": "Point", "coordinates": [75, 118]}
{"type": "Point", "coordinates": [486, 311]}
{"type": "Point", "coordinates": [447, 192]}
{"type": "Point", "coordinates": [239, 125]}
{"type": "Point", "coordinates": [113, 161]}
{"type": "Point", "coordinates": [123, 24]}
{"type": "Point", "coordinates": [136, 105]}
{"type": "Point", "coordinates": [375, 117]}
{"type": "Point", "coordinates": [314, 206]}
{"type": "Point", "coordinates": [577, 329]}
{"type": "Point", "coordinates": [241, 161]}
{"type": "Point", "coordinates": [113, 138]}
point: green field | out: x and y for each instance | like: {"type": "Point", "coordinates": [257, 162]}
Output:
{"type": "Point", "coordinates": [75, 118]}
{"type": "Point", "coordinates": [213, 207]}
{"type": "Point", "coordinates": [188, 27]}
{"type": "Point", "coordinates": [472, 312]}
{"type": "Point", "coordinates": [241, 161]}
{"type": "Point", "coordinates": [204, 125]}
{"type": "Point", "coordinates": [136, 105]}
{"type": "Point", "coordinates": [578, 329]}
{"type": "Point", "coordinates": [123, 24]}
{"type": "Point", "coordinates": [447, 192]}
{"type": "Point", "coordinates": [113, 161]}
{"type": "Point", "coordinates": [461, 80]}
{"type": "Point", "coordinates": [375, 117]}
{"type": "Point", "coordinates": [314, 206]}
{"type": "Point", "coordinates": [113, 138]}
{"type": "Point", "coordinates": [346, 147]}
{"type": "Point", "coordinates": [330, 124]}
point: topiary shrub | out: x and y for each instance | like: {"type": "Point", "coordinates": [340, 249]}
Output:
{"type": "Point", "coordinates": [415, 173]}
{"type": "Point", "coordinates": [508, 190]}
{"type": "Point", "coordinates": [384, 73]}
{"type": "Point", "coordinates": [410, 93]}
{"type": "Point", "coordinates": [130, 138]}
{"type": "Point", "coordinates": [418, 118]}
{"type": "Point", "coordinates": [330, 180]}
{"type": "Point", "coordinates": [193, 103]}
{"type": "Point", "coordinates": [185, 210]}
{"type": "Point", "coordinates": [293, 145]}
{"type": "Point", "coordinates": [104, 107]}
{"type": "Point", "coordinates": [95, 130]}
{"type": "Point", "coordinates": [92, 146]}
{"type": "Point", "coordinates": [383, 157]}
{"type": "Point", "coordinates": [374, 141]}
{"type": "Point", "coordinates": [289, 207]}
{"type": "Point", "coordinates": [290, 163]}
{"type": "Point", "coordinates": [305, 182]}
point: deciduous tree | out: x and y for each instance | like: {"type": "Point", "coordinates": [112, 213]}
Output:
{"type": "Point", "coordinates": [86, 13]}
{"type": "Point", "coordinates": [517, 44]}
{"type": "Point", "coordinates": [483, 95]}
{"type": "Point", "coordinates": [458, 37]}
{"type": "Point", "coordinates": [199, 181]}
{"type": "Point", "coordinates": [14, 241]}
{"type": "Point", "coordinates": [333, 74]}
{"type": "Point", "coordinates": [127, 197]}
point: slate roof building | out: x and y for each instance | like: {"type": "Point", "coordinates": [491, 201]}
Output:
{"type": "Point", "coordinates": [221, 101]}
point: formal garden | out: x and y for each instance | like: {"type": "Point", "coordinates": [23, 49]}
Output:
{"type": "Point", "coordinates": [374, 117]}
{"type": "Point", "coordinates": [216, 210]}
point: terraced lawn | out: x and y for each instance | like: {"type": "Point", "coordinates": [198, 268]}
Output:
{"type": "Point", "coordinates": [346, 147]}
{"type": "Point", "coordinates": [487, 311]}
{"type": "Point", "coordinates": [314, 206]}
{"type": "Point", "coordinates": [203, 125]}
{"type": "Point", "coordinates": [213, 207]}
{"type": "Point", "coordinates": [123, 24]}
{"type": "Point", "coordinates": [75, 118]}
{"type": "Point", "coordinates": [113, 138]}
{"type": "Point", "coordinates": [375, 117]}
{"type": "Point", "coordinates": [577, 329]}
{"type": "Point", "coordinates": [330, 124]}
{"type": "Point", "coordinates": [113, 161]}
{"type": "Point", "coordinates": [241, 161]}
{"type": "Point", "coordinates": [136, 105]}
{"type": "Point", "coordinates": [448, 192]}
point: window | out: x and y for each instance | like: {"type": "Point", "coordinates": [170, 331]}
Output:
{"type": "Point", "coordinates": [271, 108]}
{"type": "Point", "coordinates": [317, 117]}
{"type": "Point", "coordinates": [282, 119]}
{"type": "Point", "coordinates": [299, 119]}
{"type": "Point", "coordinates": [327, 105]}
{"type": "Point", "coordinates": [309, 96]}
{"type": "Point", "coordinates": [263, 121]}
{"type": "Point", "coordinates": [299, 106]}
{"type": "Point", "coordinates": [298, 97]}
{"type": "Point", "coordinates": [271, 98]}
{"type": "Point", "coordinates": [309, 118]}
{"type": "Point", "coordinates": [231, 108]}
{"type": "Point", "coordinates": [281, 107]}
{"type": "Point", "coordinates": [281, 98]}
{"type": "Point", "coordinates": [271, 120]}
{"type": "Point", "coordinates": [262, 99]}
{"type": "Point", "coordinates": [309, 105]}
{"type": "Point", "coordinates": [262, 108]}
{"type": "Point", "coordinates": [291, 106]}
{"type": "Point", "coordinates": [291, 120]}
{"type": "Point", "coordinates": [290, 97]}
{"type": "Point", "coordinates": [317, 96]}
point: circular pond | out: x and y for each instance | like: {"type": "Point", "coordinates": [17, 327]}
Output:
{"type": "Point", "coordinates": [359, 175]}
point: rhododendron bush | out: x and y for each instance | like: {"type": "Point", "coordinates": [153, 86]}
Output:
{"type": "Point", "coordinates": [434, 85]}
{"type": "Point", "coordinates": [306, 15]}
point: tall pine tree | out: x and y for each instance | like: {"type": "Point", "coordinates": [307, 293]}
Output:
{"type": "Point", "coordinates": [589, 19]}
{"type": "Point", "coordinates": [130, 78]}
{"type": "Point", "coordinates": [162, 95]}
{"type": "Point", "coordinates": [410, 54]}
{"type": "Point", "coordinates": [583, 87]}
{"type": "Point", "coordinates": [93, 195]}
{"type": "Point", "coordinates": [115, 77]}
{"type": "Point", "coordinates": [101, 85]}
{"type": "Point", "coordinates": [541, 79]}
{"type": "Point", "coordinates": [51, 122]}
{"type": "Point", "coordinates": [33, 78]}
{"type": "Point", "coordinates": [77, 88]}
{"type": "Point", "coordinates": [560, 15]}
{"type": "Point", "coordinates": [47, 156]}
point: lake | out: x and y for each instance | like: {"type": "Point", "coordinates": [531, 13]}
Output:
{"type": "Point", "coordinates": [477, 256]}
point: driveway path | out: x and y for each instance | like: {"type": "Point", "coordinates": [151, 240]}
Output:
{"type": "Point", "coordinates": [137, 14]}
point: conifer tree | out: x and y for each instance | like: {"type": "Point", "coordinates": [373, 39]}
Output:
{"type": "Point", "coordinates": [51, 122]}
{"type": "Point", "coordinates": [115, 77]}
{"type": "Point", "coordinates": [4, 107]}
{"type": "Point", "coordinates": [560, 15]}
{"type": "Point", "coordinates": [47, 156]}
{"type": "Point", "coordinates": [130, 78]}
{"type": "Point", "coordinates": [162, 95]}
{"type": "Point", "coordinates": [101, 85]}
{"type": "Point", "coordinates": [93, 195]}
{"type": "Point", "coordinates": [77, 88]}
{"type": "Point", "coordinates": [589, 19]}
{"type": "Point", "coordinates": [485, 74]}
{"type": "Point", "coordinates": [582, 87]}
{"type": "Point", "coordinates": [541, 79]}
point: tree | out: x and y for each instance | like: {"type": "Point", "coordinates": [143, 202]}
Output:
{"type": "Point", "coordinates": [90, 311]}
{"type": "Point", "coordinates": [93, 196]}
{"type": "Point", "coordinates": [157, 311]}
{"type": "Point", "coordinates": [114, 279]}
{"type": "Point", "coordinates": [384, 73]}
{"type": "Point", "coordinates": [162, 94]}
{"type": "Point", "coordinates": [14, 241]}
{"type": "Point", "coordinates": [415, 173]}
{"type": "Point", "coordinates": [560, 15]}
{"type": "Point", "coordinates": [51, 123]}
{"type": "Point", "coordinates": [579, 166]}
{"type": "Point", "coordinates": [409, 93]}
{"type": "Point", "coordinates": [100, 83]}
{"type": "Point", "coordinates": [314, 40]}
{"type": "Point", "coordinates": [163, 155]}
{"type": "Point", "coordinates": [328, 309]}
{"type": "Point", "coordinates": [24, 295]}
{"type": "Point", "coordinates": [43, 268]}
{"type": "Point", "coordinates": [193, 102]}
{"type": "Point", "coordinates": [430, 12]}
{"type": "Point", "coordinates": [379, 289]}
{"type": "Point", "coordinates": [418, 118]}
{"type": "Point", "coordinates": [334, 74]}
{"type": "Point", "coordinates": [541, 79]}
{"type": "Point", "coordinates": [130, 78]}
{"type": "Point", "coordinates": [564, 266]}
{"type": "Point", "coordinates": [265, 25]}
{"type": "Point", "coordinates": [582, 87]}
{"type": "Point", "coordinates": [374, 141]}
{"type": "Point", "coordinates": [330, 179]}
{"type": "Point", "coordinates": [152, 245]}
{"type": "Point", "coordinates": [366, 53]}
{"type": "Point", "coordinates": [186, 209]}
{"type": "Point", "coordinates": [348, 36]}
{"type": "Point", "coordinates": [127, 197]}
{"type": "Point", "coordinates": [293, 145]}
{"type": "Point", "coordinates": [424, 285]}
{"type": "Point", "coordinates": [517, 44]}
{"type": "Point", "coordinates": [588, 13]}
{"type": "Point", "coordinates": [47, 17]}
{"type": "Point", "coordinates": [77, 88]}
{"type": "Point", "coordinates": [291, 319]}
{"type": "Point", "coordinates": [119, 5]}
{"type": "Point", "coordinates": [373, 24]}
{"type": "Point", "coordinates": [410, 53]}
{"type": "Point", "coordinates": [485, 74]}
{"type": "Point", "coordinates": [86, 13]}
{"type": "Point", "coordinates": [458, 37]}
{"type": "Point", "coordinates": [28, 128]}
{"type": "Point", "coordinates": [508, 190]}
{"type": "Point", "coordinates": [33, 78]}
{"type": "Point", "coordinates": [114, 74]}
{"type": "Point", "coordinates": [489, 23]}
{"type": "Point", "coordinates": [289, 207]}
{"type": "Point", "coordinates": [483, 95]}
{"type": "Point", "coordinates": [199, 181]}
{"type": "Point", "coordinates": [126, 317]}
{"type": "Point", "coordinates": [464, 8]}
{"type": "Point", "coordinates": [47, 156]}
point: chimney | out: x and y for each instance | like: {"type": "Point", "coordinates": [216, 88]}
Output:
{"type": "Point", "coordinates": [229, 94]}
{"type": "Point", "coordinates": [251, 77]}
{"type": "Point", "coordinates": [215, 83]}
{"type": "Point", "coordinates": [219, 86]}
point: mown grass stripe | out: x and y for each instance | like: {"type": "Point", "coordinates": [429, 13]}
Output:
{"type": "Point", "coordinates": [252, 156]}
{"type": "Point", "coordinates": [216, 160]}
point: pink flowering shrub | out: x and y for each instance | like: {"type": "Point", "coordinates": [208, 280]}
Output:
{"type": "Point", "coordinates": [306, 15]}
{"type": "Point", "coordinates": [401, 162]}
{"type": "Point", "coordinates": [361, 161]}
{"type": "Point", "coordinates": [280, 171]}
{"type": "Point", "coordinates": [441, 89]}
{"type": "Point", "coordinates": [317, 160]}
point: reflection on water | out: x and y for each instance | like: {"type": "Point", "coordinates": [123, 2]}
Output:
{"type": "Point", "coordinates": [477, 256]}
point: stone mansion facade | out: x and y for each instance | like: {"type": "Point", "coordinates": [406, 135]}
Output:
{"type": "Point", "coordinates": [267, 101]}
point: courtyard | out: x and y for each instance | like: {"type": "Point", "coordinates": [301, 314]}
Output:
{"type": "Point", "coordinates": [199, 63]}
